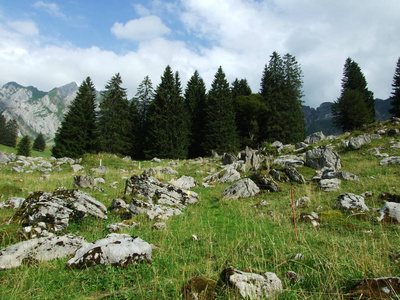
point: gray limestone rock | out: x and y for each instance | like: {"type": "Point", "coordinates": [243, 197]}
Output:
{"type": "Point", "coordinates": [350, 201]}
{"type": "Point", "coordinates": [242, 189]}
{"type": "Point", "coordinates": [84, 182]}
{"type": "Point", "coordinates": [342, 175]}
{"type": "Point", "coordinates": [315, 138]}
{"type": "Point", "coordinates": [294, 175]}
{"type": "Point", "coordinates": [228, 174]}
{"type": "Point", "coordinates": [329, 185]}
{"type": "Point", "coordinates": [391, 160]}
{"type": "Point", "coordinates": [358, 141]}
{"type": "Point", "coordinates": [321, 157]}
{"type": "Point", "coordinates": [184, 182]}
{"type": "Point", "coordinates": [12, 202]}
{"type": "Point", "coordinates": [153, 211]}
{"type": "Point", "coordinates": [390, 212]}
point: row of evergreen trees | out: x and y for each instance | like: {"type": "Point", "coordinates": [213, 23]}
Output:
{"type": "Point", "coordinates": [171, 123]}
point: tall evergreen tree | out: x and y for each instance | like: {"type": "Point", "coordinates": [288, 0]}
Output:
{"type": "Point", "coordinates": [78, 131]}
{"type": "Point", "coordinates": [11, 133]}
{"type": "Point", "coordinates": [2, 129]}
{"type": "Point", "coordinates": [281, 86]}
{"type": "Point", "coordinates": [195, 98]}
{"type": "Point", "coordinates": [240, 88]}
{"type": "Point", "coordinates": [219, 130]}
{"type": "Point", "coordinates": [353, 80]}
{"type": "Point", "coordinates": [167, 128]}
{"type": "Point", "coordinates": [114, 120]}
{"type": "Point", "coordinates": [395, 99]}
{"type": "Point", "coordinates": [24, 146]}
{"type": "Point", "coordinates": [135, 130]}
{"type": "Point", "coordinates": [39, 144]}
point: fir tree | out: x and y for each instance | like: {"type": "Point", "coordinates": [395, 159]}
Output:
{"type": "Point", "coordinates": [78, 131]}
{"type": "Point", "coordinates": [135, 130]}
{"type": "Point", "coordinates": [2, 129]}
{"type": "Point", "coordinates": [11, 133]}
{"type": "Point", "coordinates": [353, 80]}
{"type": "Point", "coordinates": [39, 144]}
{"type": "Point", "coordinates": [395, 99]}
{"type": "Point", "coordinates": [24, 146]}
{"type": "Point", "coordinates": [219, 130]}
{"type": "Point", "coordinates": [240, 88]}
{"type": "Point", "coordinates": [167, 129]}
{"type": "Point", "coordinates": [114, 119]}
{"type": "Point", "coordinates": [195, 98]}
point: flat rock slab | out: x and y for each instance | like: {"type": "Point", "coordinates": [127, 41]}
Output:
{"type": "Point", "coordinates": [114, 250]}
{"type": "Point", "coordinates": [242, 189]}
{"type": "Point", "coordinates": [40, 249]}
{"type": "Point", "coordinates": [350, 201]}
{"type": "Point", "coordinates": [391, 160]}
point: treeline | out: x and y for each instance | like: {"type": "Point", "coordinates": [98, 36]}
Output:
{"type": "Point", "coordinates": [169, 122]}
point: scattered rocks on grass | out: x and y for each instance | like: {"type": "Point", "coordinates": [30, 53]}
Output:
{"type": "Point", "coordinates": [159, 225]}
{"type": "Point", "coordinates": [242, 189]}
{"type": "Point", "coordinates": [289, 161]}
{"type": "Point", "coordinates": [119, 207]}
{"type": "Point", "coordinates": [267, 183]}
{"type": "Point", "coordinates": [293, 277]}
{"type": "Point", "coordinates": [302, 202]}
{"type": "Point", "coordinates": [114, 250]}
{"type": "Point", "coordinates": [251, 158]}
{"type": "Point", "coordinates": [39, 249]}
{"type": "Point", "coordinates": [312, 218]}
{"type": "Point", "coordinates": [350, 201]}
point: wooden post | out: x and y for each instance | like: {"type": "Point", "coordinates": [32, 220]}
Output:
{"type": "Point", "coordinates": [294, 212]}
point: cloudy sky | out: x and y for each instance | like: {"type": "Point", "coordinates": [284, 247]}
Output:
{"type": "Point", "coordinates": [50, 43]}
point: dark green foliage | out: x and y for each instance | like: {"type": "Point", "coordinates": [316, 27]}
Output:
{"type": "Point", "coordinates": [8, 132]}
{"type": "Point", "coordinates": [240, 88]}
{"type": "Point", "coordinates": [281, 86]}
{"type": "Point", "coordinates": [24, 146]}
{"type": "Point", "coordinates": [78, 134]}
{"type": "Point", "coordinates": [167, 128]}
{"type": "Point", "coordinates": [39, 144]}
{"type": "Point", "coordinates": [219, 131]}
{"type": "Point", "coordinates": [195, 99]}
{"type": "Point", "coordinates": [395, 99]}
{"type": "Point", "coordinates": [343, 109]}
{"type": "Point", "coordinates": [249, 117]}
{"type": "Point", "coordinates": [114, 119]}
{"type": "Point", "coordinates": [135, 131]}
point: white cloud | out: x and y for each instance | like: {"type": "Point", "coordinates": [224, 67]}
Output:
{"type": "Point", "coordinates": [144, 28]}
{"type": "Point", "coordinates": [26, 28]}
{"type": "Point", "coordinates": [51, 8]}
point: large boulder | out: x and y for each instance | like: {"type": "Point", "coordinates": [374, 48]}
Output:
{"type": "Point", "coordinates": [242, 189]}
{"type": "Point", "coordinates": [114, 250]}
{"type": "Point", "coordinates": [40, 249]}
{"type": "Point", "coordinates": [294, 175]}
{"type": "Point", "coordinates": [228, 174]}
{"type": "Point", "coordinates": [251, 158]}
{"type": "Point", "coordinates": [315, 138]}
{"type": "Point", "coordinates": [390, 212]}
{"type": "Point", "coordinates": [329, 185]}
{"type": "Point", "coordinates": [322, 157]}
{"type": "Point", "coordinates": [84, 182]}
{"type": "Point", "coordinates": [342, 175]}
{"type": "Point", "coordinates": [184, 182]}
{"type": "Point", "coordinates": [350, 201]}
{"type": "Point", "coordinates": [12, 202]}
{"type": "Point", "coordinates": [252, 285]}
{"type": "Point", "coordinates": [58, 209]}
{"type": "Point", "coordinates": [228, 159]}
{"type": "Point", "coordinates": [268, 183]}
{"type": "Point", "coordinates": [358, 141]}
{"type": "Point", "coordinates": [289, 161]}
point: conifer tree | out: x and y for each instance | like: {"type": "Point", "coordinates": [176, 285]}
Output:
{"type": "Point", "coordinates": [2, 129]}
{"type": "Point", "coordinates": [395, 99]}
{"type": "Point", "coordinates": [11, 133]}
{"type": "Point", "coordinates": [114, 119]}
{"type": "Point", "coordinates": [240, 88]}
{"type": "Point", "coordinates": [281, 91]}
{"type": "Point", "coordinates": [24, 146]}
{"type": "Point", "coordinates": [39, 144]}
{"type": "Point", "coordinates": [195, 98]}
{"type": "Point", "coordinates": [167, 128]}
{"type": "Point", "coordinates": [343, 108]}
{"type": "Point", "coordinates": [135, 130]}
{"type": "Point", "coordinates": [219, 130]}
{"type": "Point", "coordinates": [78, 131]}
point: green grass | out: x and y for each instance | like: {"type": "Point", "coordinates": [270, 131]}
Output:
{"type": "Point", "coordinates": [231, 233]}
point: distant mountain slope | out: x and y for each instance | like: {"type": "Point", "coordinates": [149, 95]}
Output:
{"type": "Point", "coordinates": [34, 110]}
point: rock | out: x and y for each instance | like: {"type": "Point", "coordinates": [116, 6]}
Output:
{"type": "Point", "coordinates": [119, 226]}
{"type": "Point", "coordinates": [343, 175]}
{"type": "Point", "coordinates": [100, 170]}
{"type": "Point", "coordinates": [358, 141]}
{"type": "Point", "coordinates": [391, 160]}
{"type": "Point", "coordinates": [199, 288]}
{"type": "Point", "coordinates": [153, 211]}
{"type": "Point", "coordinates": [242, 189]}
{"type": "Point", "coordinates": [226, 175]}
{"type": "Point", "coordinates": [315, 138]}
{"type": "Point", "coordinates": [393, 131]}
{"type": "Point", "coordinates": [312, 218]}
{"type": "Point", "coordinates": [376, 288]}
{"type": "Point", "coordinates": [4, 158]}
{"type": "Point", "coordinates": [57, 209]}
{"type": "Point", "coordinates": [252, 285]}
{"type": "Point", "coordinates": [294, 175]}
{"type": "Point", "coordinates": [228, 159]}
{"type": "Point", "coordinates": [267, 183]}
{"type": "Point", "coordinates": [322, 157]}
{"type": "Point", "coordinates": [40, 249]}
{"type": "Point", "coordinates": [184, 182]}
{"type": "Point", "coordinates": [390, 212]}
{"type": "Point", "coordinates": [303, 202]}
{"type": "Point", "coordinates": [159, 225]}
{"type": "Point", "coordinates": [390, 197]}
{"type": "Point", "coordinates": [349, 201]}
{"type": "Point", "coordinates": [119, 207]}
{"type": "Point", "coordinates": [329, 185]}
{"type": "Point", "coordinates": [168, 170]}
{"type": "Point", "coordinates": [84, 182]}
{"type": "Point", "coordinates": [156, 160]}
{"type": "Point", "coordinates": [289, 161]}
{"type": "Point", "coordinates": [293, 277]}
{"type": "Point", "coordinates": [114, 250]}
{"type": "Point", "coordinates": [251, 158]}
{"type": "Point", "coordinates": [12, 202]}
{"type": "Point", "coordinates": [300, 145]}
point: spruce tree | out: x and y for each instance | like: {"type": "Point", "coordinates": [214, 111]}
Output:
{"type": "Point", "coordinates": [353, 80]}
{"type": "Point", "coordinates": [39, 144]}
{"type": "Point", "coordinates": [240, 88]}
{"type": "Point", "coordinates": [24, 146]}
{"type": "Point", "coordinates": [114, 119]}
{"type": "Point", "coordinates": [195, 98]}
{"type": "Point", "coordinates": [2, 129]}
{"type": "Point", "coordinates": [135, 130]}
{"type": "Point", "coordinates": [167, 128]}
{"type": "Point", "coordinates": [395, 99]}
{"type": "Point", "coordinates": [219, 130]}
{"type": "Point", "coordinates": [78, 131]}
{"type": "Point", "coordinates": [11, 133]}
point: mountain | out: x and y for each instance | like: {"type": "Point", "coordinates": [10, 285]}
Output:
{"type": "Point", "coordinates": [36, 111]}
{"type": "Point", "coordinates": [320, 118]}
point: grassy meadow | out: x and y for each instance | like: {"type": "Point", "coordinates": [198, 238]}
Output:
{"type": "Point", "coordinates": [242, 234]}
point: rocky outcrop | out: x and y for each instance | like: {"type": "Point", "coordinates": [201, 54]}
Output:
{"type": "Point", "coordinates": [251, 158]}
{"type": "Point", "coordinates": [184, 182]}
{"type": "Point", "coordinates": [294, 175]}
{"type": "Point", "coordinates": [358, 141]}
{"type": "Point", "coordinates": [228, 174]}
{"type": "Point", "coordinates": [39, 249]}
{"type": "Point", "coordinates": [315, 138]}
{"type": "Point", "coordinates": [242, 189]}
{"type": "Point", "coordinates": [329, 185]}
{"type": "Point", "coordinates": [114, 250]}
{"type": "Point", "coordinates": [322, 157]}
{"type": "Point", "coordinates": [351, 202]}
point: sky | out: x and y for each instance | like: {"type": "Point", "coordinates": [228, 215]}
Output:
{"type": "Point", "coordinates": [48, 44]}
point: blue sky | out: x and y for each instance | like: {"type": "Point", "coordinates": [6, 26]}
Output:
{"type": "Point", "coordinates": [50, 43]}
